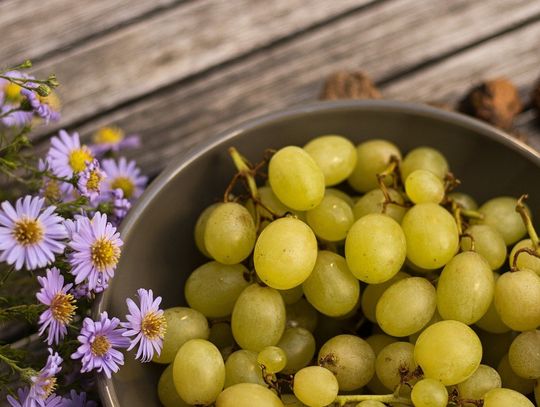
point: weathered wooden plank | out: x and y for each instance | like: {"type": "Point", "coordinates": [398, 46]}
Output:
{"type": "Point", "coordinates": [31, 29]}
{"type": "Point", "coordinates": [136, 60]}
{"type": "Point", "coordinates": [292, 73]}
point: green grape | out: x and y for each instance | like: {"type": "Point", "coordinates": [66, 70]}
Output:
{"type": "Point", "coordinates": [424, 158]}
{"type": "Point", "coordinates": [448, 351]}
{"type": "Point", "coordinates": [296, 179]}
{"type": "Point", "coordinates": [525, 260]}
{"type": "Point", "coordinates": [248, 395]}
{"type": "Point", "coordinates": [435, 318]}
{"type": "Point", "coordinates": [379, 341]}
{"type": "Point", "coordinates": [230, 233]}
{"type": "Point", "coordinates": [505, 398]}
{"type": "Point", "coordinates": [331, 288]}
{"type": "Point", "coordinates": [200, 228]}
{"type": "Point", "coordinates": [292, 295]}
{"type": "Point", "coordinates": [290, 400]}
{"type": "Point", "coordinates": [315, 386]}
{"type": "Point", "coordinates": [183, 324]}
{"type": "Point", "coordinates": [537, 392]}
{"type": "Point", "coordinates": [511, 380]}
{"type": "Point", "coordinates": [465, 288]}
{"type": "Point", "coordinates": [273, 359]}
{"type": "Point", "coordinates": [406, 306]}
{"type": "Point", "coordinates": [167, 394]}
{"type": "Point", "coordinates": [500, 213]}
{"type": "Point", "coordinates": [221, 335]}
{"type": "Point", "coordinates": [495, 346]}
{"type": "Point", "coordinates": [242, 367]}
{"type": "Point", "coordinates": [391, 360]}
{"type": "Point", "coordinates": [432, 235]}
{"type": "Point", "coordinates": [423, 186]}
{"type": "Point", "coordinates": [273, 204]}
{"type": "Point", "coordinates": [491, 320]}
{"type": "Point", "coordinates": [198, 372]}
{"type": "Point", "coordinates": [370, 403]}
{"type": "Point", "coordinates": [350, 358]}
{"type": "Point", "coordinates": [524, 355]}
{"type": "Point", "coordinates": [331, 219]}
{"type": "Point", "coordinates": [335, 155]}
{"type": "Point", "coordinates": [488, 242]}
{"type": "Point", "coordinates": [375, 248]}
{"type": "Point", "coordinates": [373, 202]}
{"type": "Point", "coordinates": [299, 346]}
{"type": "Point", "coordinates": [464, 200]}
{"type": "Point", "coordinates": [484, 379]}
{"type": "Point", "coordinates": [258, 318]}
{"type": "Point", "coordinates": [517, 299]}
{"type": "Point", "coordinates": [373, 158]}
{"type": "Point", "coordinates": [373, 292]}
{"type": "Point", "coordinates": [301, 314]}
{"type": "Point", "coordinates": [213, 288]}
{"type": "Point", "coordinates": [339, 194]}
{"type": "Point", "coordinates": [285, 253]}
{"type": "Point", "coordinates": [429, 393]}
{"type": "Point", "coordinates": [328, 327]}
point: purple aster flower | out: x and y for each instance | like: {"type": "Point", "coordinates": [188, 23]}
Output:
{"type": "Point", "coordinates": [121, 205]}
{"type": "Point", "coordinates": [77, 400]}
{"type": "Point", "coordinates": [96, 245]}
{"type": "Point", "coordinates": [44, 383]}
{"type": "Point", "coordinates": [112, 138]}
{"type": "Point", "coordinates": [42, 106]}
{"type": "Point", "coordinates": [90, 181]}
{"type": "Point", "coordinates": [61, 305]}
{"type": "Point", "coordinates": [125, 176]}
{"type": "Point", "coordinates": [52, 189]}
{"type": "Point", "coordinates": [23, 401]}
{"type": "Point", "coordinates": [81, 291]}
{"type": "Point", "coordinates": [67, 156]}
{"type": "Point", "coordinates": [29, 236]}
{"type": "Point", "coordinates": [147, 323]}
{"type": "Point", "coordinates": [98, 342]}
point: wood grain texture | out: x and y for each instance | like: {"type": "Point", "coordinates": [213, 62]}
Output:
{"type": "Point", "coordinates": [292, 73]}
{"type": "Point", "coordinates": [30, 29]}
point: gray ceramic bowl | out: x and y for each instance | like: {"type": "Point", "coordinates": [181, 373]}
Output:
{"type": "Point", "coordinates": [159, 250]}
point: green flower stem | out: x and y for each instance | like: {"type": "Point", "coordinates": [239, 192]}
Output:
{"type": "Point", "coordinates": [385, 398]}
{"type": "Point", "coordinates": [25, 373]}
{"type": "Point", "coordinates": [7, 113]}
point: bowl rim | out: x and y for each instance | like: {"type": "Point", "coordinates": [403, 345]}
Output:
{"type": "Point", "coordinates": [183, 159]}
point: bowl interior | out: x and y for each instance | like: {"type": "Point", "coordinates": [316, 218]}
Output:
{"type": "Point", "coordinates": [159, 251]}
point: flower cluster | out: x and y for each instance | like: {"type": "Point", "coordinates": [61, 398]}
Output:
{"type": "Point", "coordinates": [63, 230]}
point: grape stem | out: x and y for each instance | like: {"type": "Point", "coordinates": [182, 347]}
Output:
{"type": "Point", "coordinates": [527, 250]}
{"type": "Point", "coordinates": [245, 171]}
{"type": "Point", "coordinates": [393, 171]}
{"type": "Point", "coordinates": [384, 398]}
{"type": "Point", "coordinates": [522, 210]}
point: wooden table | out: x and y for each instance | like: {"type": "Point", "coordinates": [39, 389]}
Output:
{"type": "Point", "coordinates": [177, 72]}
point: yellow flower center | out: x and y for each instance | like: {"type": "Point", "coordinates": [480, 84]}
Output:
{"type": "Point", "coordinates": [51, 190]}
{"type": "Point", "coordinates": [104, 254]}
{"type": "Point", "coordinates": [49, 387]}
{"type": "Point", "coordinates": [153, 325]}
{"type": "Point", "coordinates": [78, 158]}
{"type": "Point", "coordinates": [125, 184]}
{"type": "Point", "coordinates": [12, 93]}
{"type": "Point", "coordinates": [107, 135]}
{"type": "Point", "coordinates": [52, 100]}
{"type": "Point", "coordinates": [94, 181]}
{"type": "Point", "coordinates": [27, 231]}
{"type": "Point", "coordinates": [63, 307]}
{"type": "Point", "coordinates": [100, 346]}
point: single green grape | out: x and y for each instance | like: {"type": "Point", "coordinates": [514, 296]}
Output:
{"type": "Point", "coordinates": [391, 360]}
{"type": "Point", "coordinates": [464, 200]}
{"type": "Point", "coordinates": [299, 346]}
{"type": "Point", "coordinates": [374, 156]}
{"type": "Point", "coordinates": [375, 248]}
{"type": "Point", "coordinates": [524, 259]}
{"type": "Point", "coordinates": [331, 288]}
{"type": "Point", "coordinates": [350, 358]}
{"type": "Point", "coordinates": [448, 351]}
{"type": "Point", "coordinates": [335, 155]}
{"type": "Point", "coordinates": [488, 242]}
{"type": "Point", "coordinates": [292, 295]}
{"type": "Point", "coordinates": [167, 394]}
{"type": "Point", "coordinates": [338, 193]}
{"type": "Point", "coordinates": [494, 345]}
{"type": "Point", "coordinates": [198, 372]}
{"type": "Point", "coordinates": [373, 202]}
{"type": "Point", "coordinates": [242, 367]}
{"type": "Point", "coordinates": [424, 158]}
{"type": "Point", "coordinates": [331, 219]}
{"type": "Point", "coordinates": [506, 398]}
{"type": "Point", "coordinates": [379, 341]}
{"type": "Point", "coordinates": [511, 380]}
{"type": "Point", "coordinates": [290, 400]}
{"type": "Point", "coordinates": [432, 235]}
{"type": "Point", "coordinates": [285, 253]}
{"type": "Point", "coordinates": [429, 393]}
{"type": "Point", "coordinates": [406, 306]}
{"type": "Point", "coordinates": [423, 186]}
{"type": "Point", "coordinates": [500, 213]}
{"type": "Point", "coordinates": [315, 386]}
{"type": "Point", "coordinates": [302, 314]}
{"type": "Point", "coordinates": [517, 299]}
{"type": "Point", "coordinates": [465, 288]}
{"type": "Point", "coordinates": [484, 379]}
{"type": "Point", "coordinates": [273, 359]}
{"type": "Point", "coordinates": [258, 318]}
{"type": "Point", "coordinates": [271, 202]}
{"type": "Point", "coordinates": [200, 228]}
{"type": "Point", "coordinates": [230, 233]}
{"type": "Point", "coordinates": [213, 288]}
{"type": "Point", "coordinates": [491, 321]}
{"type": "Point", "coordinates": [435, 318]}
{"type": "Point", "coordinates": [248, 395]}
{"type": "Point", "coordinates": [183, 324]}
{"type": "Point", "coordinates": [373, 292]}
{"type": "Point", "coordinates": [296, 179]}
{"type": "Point", "coordinates": [221, 335]}
{"type": "Point", "coordinates": [524, 355]}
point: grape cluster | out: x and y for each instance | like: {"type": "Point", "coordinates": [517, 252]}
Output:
{"type": "Point", "coordinates": [409, 294]}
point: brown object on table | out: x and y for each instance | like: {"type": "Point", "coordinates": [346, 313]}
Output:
{"type": "Point", "coordinates": [349, 85]}
{"type": "Point", "coordinates": [535, 97]}
{"type": "Point", "coordinates": [495, 101]}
